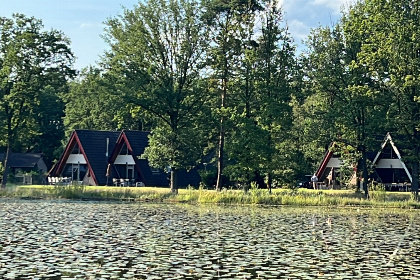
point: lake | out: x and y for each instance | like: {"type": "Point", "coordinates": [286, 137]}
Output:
{"type": "Point", "coordinates": [97, 240]}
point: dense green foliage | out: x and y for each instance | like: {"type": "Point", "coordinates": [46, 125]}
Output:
{"type": "Point", "coordinates": [35, 66]}
{"type": "Point", "coordinates": [219, 85]}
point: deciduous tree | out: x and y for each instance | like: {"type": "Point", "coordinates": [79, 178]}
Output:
{"type": "Point", "coordinates": [226, 19]}
{"type": "Point", "coordinates": [157, 55]}
{"type": "Point", "coordinates": [352, 105]}
{"type": "Point", "coordinates": [391, 52]}
{"type": "Point", "coordinates": [32, 61]}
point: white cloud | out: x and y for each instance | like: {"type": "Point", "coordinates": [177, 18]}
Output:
{"type": "Point", "coordinates": [335, 5]}
{"type": "Point", "coordinates": [280, 3]}
{"type": "Point", "coordinates": [87, 25]}
{"type": "Point", "coordinates": [299, 30]}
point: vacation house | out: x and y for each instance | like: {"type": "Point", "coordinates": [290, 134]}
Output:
{"type": "Point", "coordinates": [388, 165]}
{"type": "Point", "coordinates": [26, 167]}
{"type": "Point", "coordinates": [95, 158]}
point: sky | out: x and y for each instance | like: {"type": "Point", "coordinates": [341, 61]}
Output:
{"type": "Point", "coordinates": [83, 20]}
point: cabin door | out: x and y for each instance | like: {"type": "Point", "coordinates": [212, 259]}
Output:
{"type": "Point", "coordinates": [75, 175]}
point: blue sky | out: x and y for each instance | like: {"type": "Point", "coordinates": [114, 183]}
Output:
{"type": "Point", "coordinates": [82, 20]}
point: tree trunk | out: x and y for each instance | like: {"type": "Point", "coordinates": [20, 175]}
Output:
{"type": "Point", "coordinates": [220, 159]}
{"type": "Point", "coordinates": [174, 181]}
{"type": "Point", "coordinates": [365, 173]}
{"type": "Point", "coordinates": [6, 166]}
{"type": "Point", "coordinates": [415, 174]}
{"type": "Point", "coordinates": [269, 182]}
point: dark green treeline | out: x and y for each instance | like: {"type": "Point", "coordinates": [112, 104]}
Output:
{"type": "Point", "coordinates": [221, 85]}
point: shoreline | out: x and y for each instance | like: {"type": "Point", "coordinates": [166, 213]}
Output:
{"type": "Point", "coordinates": [254, 197]}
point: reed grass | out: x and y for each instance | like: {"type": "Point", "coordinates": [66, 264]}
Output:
{"type": "Point", "coordinates": [300, 197]}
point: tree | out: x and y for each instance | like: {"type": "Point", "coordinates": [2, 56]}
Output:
{"type": "Point", "coordinates": [157, 56]}
{"type": "Point", "coordinates": [49, 127]}
{"type": "Point", "coordinates": [31, 61]}
{"type": "Point", "coordinates": [391, 52]}
{"type": "Point", "coordinates": [350, 102]}
{"type": "Point", "coordinates": [93, 102]}
{"type": "Point", "coordinates": [242, 147]}
{"type": "Point", "coordinates": [276, 66]}
{"type": "Point", "coordinates": [226, 19]}
{"type": "Point", "coordinates": [261, 91]}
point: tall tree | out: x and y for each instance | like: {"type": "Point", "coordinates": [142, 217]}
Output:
{"type": "Point", "coordinates": [226, 19]}
{"type": "Point", "coordinates": [157, 54]}
{"type": "Point", "coordinates": [276, 66]}
{"type": "Point", "coordinates": [31, 60]}
{"type": "Point", "coordinates": [352, 105]}
{"type": "Point", "coordinates": [391, 52]}
{"type": "Point", "coordinates": [262, 90]}
{"type": "Point", "coordinates": [48, 125]}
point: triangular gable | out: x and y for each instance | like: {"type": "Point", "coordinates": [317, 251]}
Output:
{"type": "Point", "coordinates": [94, 146]}
{"type": "Point", "coordinates": [123, 140]}
{"type": "Point", "coordinates": [388, 139]}
{"type": "Point", "coordinates": [61, 163]}
{"type": "Point", "coordinates": [136, 142]}
{"type": "Point", "coordinates": [324, 163]}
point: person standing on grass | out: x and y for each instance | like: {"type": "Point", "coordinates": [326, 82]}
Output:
{"type": "Point", "coordinates": [314, 179]}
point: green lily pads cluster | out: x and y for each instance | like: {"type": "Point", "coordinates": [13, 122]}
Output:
{"type": "Point", "coordinates": [85, 240]}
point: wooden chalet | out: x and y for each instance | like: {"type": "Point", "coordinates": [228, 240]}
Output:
{"type": "Point", "coordinates": [328, 171]}
{"type": "Point", "coordinates": [95, 158]}
{"type": "Point", "coordinates": [389, 167]}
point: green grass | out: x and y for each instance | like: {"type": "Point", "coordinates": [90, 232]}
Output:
{"type": "Point", "coordinates": [301, 197]}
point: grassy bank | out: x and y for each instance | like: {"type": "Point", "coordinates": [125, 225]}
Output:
{"type": "Point", "coordinates": [301, 197]}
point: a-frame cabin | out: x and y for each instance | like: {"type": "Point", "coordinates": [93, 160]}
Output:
{"type": "Point", "coordinates": [389, 165]}
{"type": "Point", "coordinates": [328, 172]}
{"type": "Point", "coordinates": [93, 157]}
{"type": "Point", "coordinates": [125, 161]}
{"type": "Point", "coordinates": [85, 157]}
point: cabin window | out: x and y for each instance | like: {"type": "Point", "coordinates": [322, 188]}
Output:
{"type": "Point", "coordinates": [75, 171]}
{"type": "Point", "coordinates": [155, 170]}
{"type": "Point", "coordinates": [125, 171]}
{"type": "Point", "coordinates": [76, 150]}
{"type": "Point", "coordinates": [124, 150]}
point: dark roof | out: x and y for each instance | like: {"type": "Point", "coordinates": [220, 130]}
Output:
{"type": "Point", "coordinates": [21, 160]}
{"type": "Point", "coordinates": [191, 177]}
{"type": "Point", "coordinates": [94, 144]}
{"type": "Point", "coordinates": [139, 141]}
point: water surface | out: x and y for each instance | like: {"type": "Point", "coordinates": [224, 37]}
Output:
{"type": "Point", "coordinates": [84, 240]}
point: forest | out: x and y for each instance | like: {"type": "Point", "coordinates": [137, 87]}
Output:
{"type": "Point", "coordinates": [220, 85]}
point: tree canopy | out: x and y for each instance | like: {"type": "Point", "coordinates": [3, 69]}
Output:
{"type": "Point", "coordinates": [33, 63]}
{"type": "Point", "coordinates": [219, 85]}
